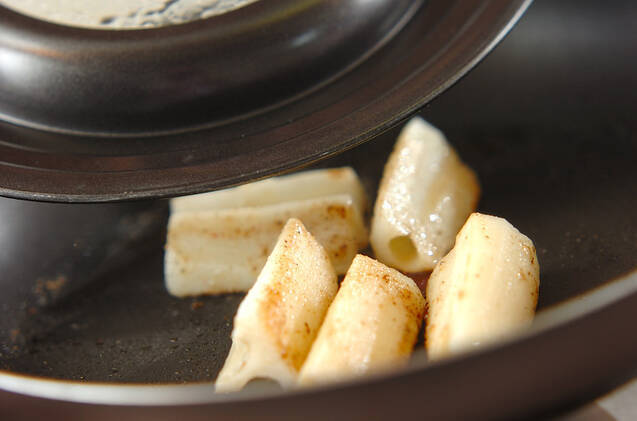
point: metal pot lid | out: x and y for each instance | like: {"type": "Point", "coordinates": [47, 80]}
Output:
{"type": "Point", "coordinates": [94, 115]}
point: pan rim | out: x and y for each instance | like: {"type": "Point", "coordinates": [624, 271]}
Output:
{"type": "Point", "coordinates": [555, 319]}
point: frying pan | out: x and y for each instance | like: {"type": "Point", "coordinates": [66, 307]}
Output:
{"type": "Point", "coordinates": [548, 123]}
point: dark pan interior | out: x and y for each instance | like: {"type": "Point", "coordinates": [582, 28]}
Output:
{"type": "Point", "coordinates": [548, 122]}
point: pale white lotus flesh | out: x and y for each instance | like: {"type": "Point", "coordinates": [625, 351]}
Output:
{"type": "Point", "coordinates": [302, 185]}
{"type": "Point", "coordinates": [221, 251]}
{"type": "Point", "coordinates": [425, 195]}
{"type": "Point", "coordinates": [280, 316]}
{"type": "Point", "coordinates": [371, 326]}
{"type": "Point", "coordinates": [123, 14]}
{"type": "Point", "coordinates": [484, 290]}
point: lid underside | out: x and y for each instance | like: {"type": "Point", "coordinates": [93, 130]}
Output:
{"type": "Point", "coordinates": [198, 140]}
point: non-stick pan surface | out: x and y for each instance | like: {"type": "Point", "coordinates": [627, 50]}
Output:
{"type": "Point", "coordinates": [548, 123]}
